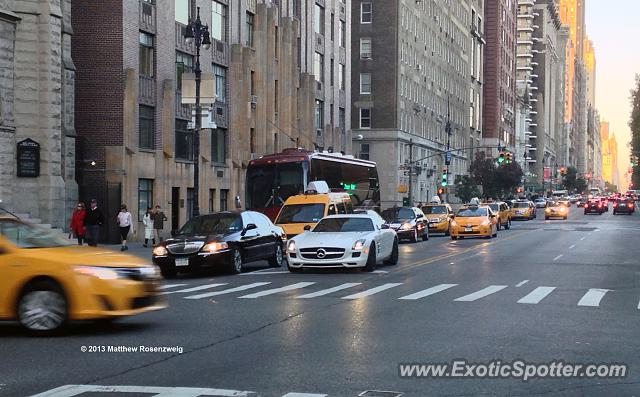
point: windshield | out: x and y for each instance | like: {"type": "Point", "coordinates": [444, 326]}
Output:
{"type": "Point", "coordinates": [436, 209]}
{"type": "Point", "coordinates": [301, 213]}
{"type": "Point", "coordinates": [472, 212]}
{"type": "Point", "coordinates": [521, 205]}
{"type": "Point", "coordinates": [271, 185]}
{"type": "Point", "coordinates": [397, 214]}
{"type": "Point", "coordinates": [24, 235]}
{"type": "Point", "coordinates": [333, 225]}
{"type": "Point", "coordinates": [494, 207]}
{"type": "Point", "coordinates": [212, 224]}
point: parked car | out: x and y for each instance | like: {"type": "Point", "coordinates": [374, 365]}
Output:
{"type": "Point", "coordinates": [409, 222]}
{"type": "Point", "coordinates": [222, 240]}
{"type": "Point", "coordinates": [349, 241]}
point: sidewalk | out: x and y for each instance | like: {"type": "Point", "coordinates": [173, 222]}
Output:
{"type": "Point", "coordinates": [136, 249]}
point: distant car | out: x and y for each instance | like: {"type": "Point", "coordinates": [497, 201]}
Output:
{"type": "Point", "coordinates": [593, 206]}
{"type": "Point", "coordinates": [523, 210]}
{"type": "Point", "coordinates": [540, 203]}
{"type": "Point", "coordinates": [46, 281]}
{"type": "Point", "coordinates": [409, 222]}
{"type": "Point", "coordinates": [221, 240]}
{"type": "Point", "coordinates": [564, 201]}
{"type": "Point", "coordinates": [439, 217]}
{"type": "Point", "coordinates": [556, 210]}
{"type": "Point", "coordinates": [344, 241]}
{"type": "Point", "coordinates": [502, 212]}
{"type": "Point", "coordinates": [623, 206]}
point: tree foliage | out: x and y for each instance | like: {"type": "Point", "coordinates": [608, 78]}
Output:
{"type": "Point", "coordinates": [570, 179]}
{"type": "Point", "coordinates": [496, 181]}
{"type": "Point", "coordinates": [634, 124]}
{"type": "Point", "coordinates": [467, 189]}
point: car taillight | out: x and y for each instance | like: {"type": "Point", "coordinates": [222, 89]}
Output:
{"type": "Point", "coordinates": [600, 205]}
{"type": "Point", "coordinates": [615, 205]}
{"type": "Point", "coordinates": [630, 205]}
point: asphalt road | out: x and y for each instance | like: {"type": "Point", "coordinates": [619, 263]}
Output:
{"type": "Point", "coordinates": [487, 304]}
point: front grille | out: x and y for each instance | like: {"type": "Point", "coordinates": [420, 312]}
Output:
{"type": "Point", "coordinates": [322, 253]}
{"type": "Point", "coordinates": [185, 248]}
{"type": "Point", "coordinates": [143, 301]}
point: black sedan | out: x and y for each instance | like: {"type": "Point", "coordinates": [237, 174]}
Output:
{"type": "Point", "coordinates": [623, 206]}
{"type": "Point", "coordinates": [594, 206]}
{"type": "Point", "coordinates": [222, 240]}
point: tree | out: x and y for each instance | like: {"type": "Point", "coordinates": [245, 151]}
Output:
{"type": "Point", "coordinates": [581, 185]}
{"type": "Point", "coordinates": [610, 187]}
{"type": "Point", "coordinates": [634, 124]}
{"type": "Point", "coordinates": [508, 177]}
{"type": "Point", "coordinates": [483, 172]}
{"type": "Point", "coordinates": [466, 189]}
{"type": "Point", "coordinates": [570, 179]}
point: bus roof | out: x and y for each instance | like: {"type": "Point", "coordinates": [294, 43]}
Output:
{"type": "Point", "coordinates": [293, 154]}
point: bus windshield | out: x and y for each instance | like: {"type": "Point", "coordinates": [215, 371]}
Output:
{"type": "Point", "coordinates": [270, 185]}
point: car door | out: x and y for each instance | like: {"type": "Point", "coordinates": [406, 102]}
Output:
{"type": "Point", "coordinates": [248, 240]}
{"type": "Point", "coordinates": [267, 237]}
{"type": "Point", "coordinates": [14, 270]}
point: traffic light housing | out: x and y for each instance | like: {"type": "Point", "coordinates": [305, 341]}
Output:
{"type": "Point", "coordinates": [501, 158]}
{"type": "Point", "coordinates": [444, 178]}
{"type": "Point", "coordinates": [508, 158]}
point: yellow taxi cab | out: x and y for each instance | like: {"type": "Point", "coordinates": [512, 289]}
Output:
{"type": "Point", "coordinates": [304, 211]}
{"type": "Point", "coordinates": [556, 209]}
{"type": "Point", "coordinates": [438, 217]}
{"type": "Point", "coordinates": [474, 220]}
{"type": "Point", "coordinates": [523, 209]}
{"type": "Point", "coordinates": [46, 281]}
{"type": "Point", "coordinates": [503, 213]}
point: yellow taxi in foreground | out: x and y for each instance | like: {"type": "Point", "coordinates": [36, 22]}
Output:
{"type": "Point", "coordinates": [474, 221]}
{"type": "Point", "coordinates": [45, 281]}
{"type": "Point", "coordinates": [556, 209]}
{"type": "Point", "coordinates": [439, 217]}
{"type": "Point", "coordinates": [503, 212]}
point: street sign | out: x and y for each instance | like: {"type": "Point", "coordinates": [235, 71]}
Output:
{"type": "Point", "coordinates": [28, 157]}
{"type": "Point", "coordinates": [447, 157]}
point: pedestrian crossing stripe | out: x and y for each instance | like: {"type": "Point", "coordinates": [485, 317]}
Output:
{"type": "Point", "coordinates": [76, 390]}
{"type": "Point", "coordinates": [592, 298]}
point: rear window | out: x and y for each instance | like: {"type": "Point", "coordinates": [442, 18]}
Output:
{"type": "Point", "coordinates": [521, 205]}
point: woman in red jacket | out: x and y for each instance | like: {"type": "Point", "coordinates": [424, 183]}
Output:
{"type": "Point", "coordinates": [77, 222]}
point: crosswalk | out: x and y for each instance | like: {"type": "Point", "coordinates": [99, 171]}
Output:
{"type": "Point", "coordinates": [528, 294]}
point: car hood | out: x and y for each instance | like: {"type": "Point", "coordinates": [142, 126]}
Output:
{"type": "Point", "coordinates": [194, 239]}
{"type": "Point", "coordinates": [85, 256]}
{"type": "Point", "coordinates": [343, 240]}
{"type": "Point", "coordinates": [470, 221]}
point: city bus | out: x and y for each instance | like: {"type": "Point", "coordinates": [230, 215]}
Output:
{"type": "Point", "coordinates": [273, 178]}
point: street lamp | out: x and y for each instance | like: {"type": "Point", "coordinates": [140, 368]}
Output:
{"type": "Point", "coordinates": [198, 35]}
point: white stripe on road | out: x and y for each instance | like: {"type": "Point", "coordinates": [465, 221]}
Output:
{"type": "Point", "coordinates": [304, 395]}
{"type": "Point", "coordinates": [558, 257]}
{"type": "Point", "coordinates": [582, 238]}
{"type": "Point", "coordinates": [167, 286]}
{"type": "Point", "coordinates": [276, 290]}
{"type": "Point", "coordinates": [492, 289]}
{"type": "Point", "coordinates": [572, 247]}
{"type": "Point", "coordinates": [264, 272]}
{"type": "Point", "coordinates": [75, 390]}
{"type": "Point", "coordinates": [194, 289]}
{"type": "Point", "coordinates": [428, 291]}
{"type": "Point", "coordinates": [372, 291]}
{"type": "Point", "coordinates": [328, 290]}
{"type": "Point", "coordinates": [227, 291]}
{"type": "Point", "coordinates": [593, 297]}
{"type": "Point", "coordinates": [534, 297]}
{"type": "Point", "coordinates": [521, 283]}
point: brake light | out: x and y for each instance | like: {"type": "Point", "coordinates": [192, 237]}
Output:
{"type": "Point", "coordinates": [630, 205]}
{"type": "Point", "coordinates": [615, 205]}
{"type": "Point", "coordinates": [600, 205]}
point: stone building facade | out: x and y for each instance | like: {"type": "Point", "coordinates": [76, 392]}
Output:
{"type": "Point", "coordinates": [37, 77]}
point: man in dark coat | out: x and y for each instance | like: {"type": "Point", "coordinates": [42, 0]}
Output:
{"type": "Point", "coordinates": [93, 221]}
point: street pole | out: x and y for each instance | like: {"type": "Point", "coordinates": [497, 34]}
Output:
{"type": "Point", "coordinates": [410, 172]}
{"type": "Point", "coordinates": [447, 162]}
{"type": "Point", "coordinates": [524, 184]}
{"type": "Point", "coordinates": [555, 176]}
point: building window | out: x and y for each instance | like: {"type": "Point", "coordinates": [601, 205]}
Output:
{"type": "Point", "coordinates": [146, 55]}
{"type": "Point", "coordinates": [365, 83]}
{"type": "Point", "coordinates": [276, 40]}
{"type": "Point", "coordinates": [333, 25]}
{"type": "Point", "coordinates": [190, 195]}
{"type": "Point", "coordinates": [184, 141]}
{"type": "Point", "coordinates": [341, 76]}
{"type": "Point", "coordinates": [364, 151]}
{"type": "Point", "coordinates": [319, 119]}
{"type": "Point", "coordinates": [184, 64]}
{"type": "Point", "coordinates": [212, 200]}
{"type": "Point", "coordinates": [145, 196]}
{"type": "Point", "coordinates": [331, 71]}
{"type": "Point", "coordinates": [218, 145]}
{"type": "Point", "coordinates": [183, 11]}
{"type": "Point", "coordinates": [343, 34]}
{"type": "Point", "coordinates": [249, 23]}
{"type": "Point", "coordinates": [318, 66]}
{"type": "Point", "coordinates": [276, 105]}
{"type": "Point", "coordinates": [252, 83]}
{"type": "Point", "coordinates": [220, 74]}
{"type": "Point", "coordinates": [224, 193]}
{"type": "Point", "coordinates": [218, 21]}
{"type": "Point", "coordinates": [365, 48]}
{"type": "Point", "coordinates": [365, 118]}
{"type": "Point", "coordinates": [146, 127]}
{"type": "Point", "coordinates": [342, 119]}
{"type": "Point", "coordinates": [366, 11]}
{"type": "Point", "coordinates": [319, 19]}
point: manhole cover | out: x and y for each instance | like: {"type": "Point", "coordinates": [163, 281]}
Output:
{"type": "Point", "coordinates": [379, 393]}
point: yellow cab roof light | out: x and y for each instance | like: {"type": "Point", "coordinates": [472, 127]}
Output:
{"type": "Point", "coordinates": [317, 187]}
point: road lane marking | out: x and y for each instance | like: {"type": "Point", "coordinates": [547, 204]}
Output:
{"type": "Point", "coordinates": [572, 247]}
{"type": "Point", "coordinates": [380, 271]}
{"type": "Point", "coordinates": [304, 395]}
{"type": "Point", "coordinates": [521, 283]}
{"type": "Point", "coordinates": [492, 289]}
{"type": "Point", "coordinates": [593, 297]}
{"type": "Point", "coordinates": [75, 390]}
{"type": "Point", "coordinates": [328, 291]}
{"type": "Point", "coordinates": [167, 286]}
{"type": "Point", "coordinates": [558, 257]}
{"type": "Point", "coordinates": [534, 297]}
{"type": "Point", "coordinates": [227, 291]}
{"type": "Point", "coordinates": [428, 291]}
{"type": "Point", "coordinates": [263, 272]}
{"type": "Point", "coordinates": [582, 238]}
{"type": "Point", "coordinates": [276, 290]}
{"type": "Point", "coordinates": [372, 291]}
{"type": "Point", "coordinates": [194, 289]}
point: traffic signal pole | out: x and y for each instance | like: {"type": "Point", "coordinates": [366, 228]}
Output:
{"type": "Point", "coordinates": [410, 172]}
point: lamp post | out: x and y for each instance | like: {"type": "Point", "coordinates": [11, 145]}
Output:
{"type": "Point", "coordinates": [198, 35]}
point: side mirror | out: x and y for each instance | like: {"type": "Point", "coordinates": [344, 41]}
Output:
{"type": "Point", "coordinates": [250, 226]}
{"type": "Point", "coordinates": [493, 215]}
{"type": "Point", "coordinates": [384, 226]}
{"type": "Point", "coordinates": [420, 216]}
{"type": "Point", "coordinates": [307, 228]}
{"type": "Point", "coordinates": [452, 216]}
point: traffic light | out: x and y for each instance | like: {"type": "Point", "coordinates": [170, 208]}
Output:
{"type": "Point", "coordinates": [444, 178]}
{"type": "Point", "coordinates": [501, 158]}
{"type": "Point", "coordinates": [508, 158]}
{"type": "Point", "coordinates": [441, 190]}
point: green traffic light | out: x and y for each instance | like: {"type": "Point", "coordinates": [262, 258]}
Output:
{"type": "Point", "coordinates": [444, 183]}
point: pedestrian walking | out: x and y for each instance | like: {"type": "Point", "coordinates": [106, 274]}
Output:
{"type": "Point", "coordinates": [158, 222]}
{"type": "Point", "coordinates": [76, 226]}
{"type": "Point", "coordinates": [125, 222]}
{"type": "Point", "coordinates": [147, 220]}
{"type": "Point", "coordinates": [93, 220]}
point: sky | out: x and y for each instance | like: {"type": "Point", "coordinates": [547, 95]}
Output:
{"type": "Point", "coordinates": [613, 27]}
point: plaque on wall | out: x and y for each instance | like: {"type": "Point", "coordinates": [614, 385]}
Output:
{"type": "Point", "coordinates": [28, 157]}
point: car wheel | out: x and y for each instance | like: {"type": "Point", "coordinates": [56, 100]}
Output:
{"type": "Point", "coordinates": [454, 237]}
{"type": "Point", "coordinates": [414, 237]}
{"type": "Point", "coordinates": [425, 235]}
{"type": "Point", "coordinates": [371, 259]}
{"type": "Point", "coordinates": [277, 258]}
{"type": "Point", "coordinates": [42, 307]}
{"type": "Point", "coordinates": [236, 263]}
{"type": "Point", "coordinates": [393, 259]}
{"type": "Point", "coordinates": [508, 225]}
{"type": "Point", "coordinates": [546, 218]}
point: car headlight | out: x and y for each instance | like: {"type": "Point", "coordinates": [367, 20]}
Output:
{"type": "Point", "coordinates": [160, 251]}
{"type": "Point", "coordinates": [291, 247]}
{"type": "Point", "coordinates": [454, 223]}
{"type": "Point", "coordinates": [485, 222]}
{"type": "Point", "coordinates": [548, 210]}
{"type": "Point", "coordinates": [103, 273]}
{"type": "Point", "coordinates": [214, 247]}
{"type": "Point", "coordinates": [406, 226]}
{"type": "Point", "coordinates": [359, 245]}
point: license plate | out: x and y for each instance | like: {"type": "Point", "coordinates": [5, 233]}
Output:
{"type": "Point", "coordinates": [182, 261]}
{"type": "Point", "coordinates": [468, 229]}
